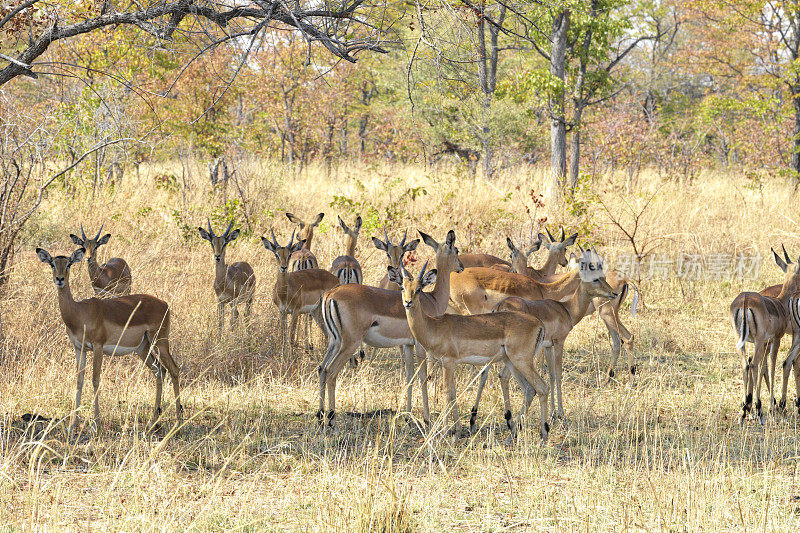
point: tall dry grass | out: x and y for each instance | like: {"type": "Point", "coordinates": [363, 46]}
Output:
{"type": "Point", "coordinates": [666, 454]}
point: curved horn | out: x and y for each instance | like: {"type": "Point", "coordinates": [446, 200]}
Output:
{"type": "Point", "coordinates": [274, 240]}
{"type": "Point", "coordinates": [210, 230]}
{"type": "Point", "coordinates": [83, 233]}
{"type": "Point", "coordinates": [563, 234]}
{"type": "Point", "coordinates": [422, 272]}
{"type": "Point", "coordinates": [403, 241]}
{"type": "Point", "coordinates": [549, 235]}
{"type": "Point", "coordinates": [785, 255]}
{"type": "Point", "coordinates": [386, 236]}
{"type": "Point", "coordinates": [99, 231]}
{"type": "Point", "coordinates": [229, 229]}
{"type": "Point", "coordinates": [291, 241]}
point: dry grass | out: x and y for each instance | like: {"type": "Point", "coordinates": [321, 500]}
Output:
{"type": "Point", "coordinates": [666, 455]}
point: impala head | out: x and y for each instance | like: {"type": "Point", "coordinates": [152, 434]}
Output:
{"type": "Point", "coordinates": [593, 277]}
{"type": "Point", "coordinates": [219, 242]}
{"type": "Point", "coordinates": [60, 264]}
{"type": "Point", "coordinates": [446, 252]}
{"type": "Point", "coordinates": [558, 247]}
{"type": "Point", "coordinates": [306, 229]}
{"type": "Point", "coordinates": [791, 279]}
{"type": "Point", "coordinates": [350, 233]}
{"type": "Point", "coordinates": [395, 252]}
{"type": "Point", "coordinates": [282, 253]}
{"type": "Point", "coordinates": [90, 245]}
{"type": "Point", "coordinates": [519, 259]}
{"type": "Point", "coordinates": [410, 285]}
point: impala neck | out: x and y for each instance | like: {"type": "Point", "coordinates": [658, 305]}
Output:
{"type": "Point", "coordinates": [563, 287]}
{"type": "Point", "coordinates": [282, 282]}
{"type": "Point", "coordinates": [787, 290]}
{"type": "Point", "coordinates": [66, 303]}
{"type": "Point", "coordinates": [350, 246]}
{"type": "Point", "coordinates": [220, 270]}
{"type": "Point", "coordinates": [550, 265]}
{"type": "Point", "coordinates": [577, 305]}
{"type": "Point", "coordinates": [95, 274]}
{"type": "Point", "coordinates": [441, 289]}
{"type": "Point", "coordinates": [419, 322]}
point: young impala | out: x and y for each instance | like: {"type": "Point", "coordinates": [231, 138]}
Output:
{"type": "Point", "coordinates": [136, 323]}
{"type": "Point", "coordinates": [112, 277]}
{"type": "Point", "coordinates": [234, 283]}
{"type": "Point", "coordinates": [303, 258]}
{"type": "Point", "coordinates": [346, 267]}
{"type": "Point", "coordinates": [296, 292]}
{"type": "Point", "coordinates": [513, 338]}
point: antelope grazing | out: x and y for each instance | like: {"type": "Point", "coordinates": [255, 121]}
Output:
{"type": "Point", "coordinates": [136, 323]}
{"type": "Point", "coordinates": [395, 253]}
{"type": "Point", "coordinates": [297, 292]}
{"type": "Point", "coordinates": [346, 267]}
{"type": "Point", "coordinates": [303, 258]}
{"type": "Point", "coordinates": [763, 320]}
{"type": "Point", "coordinates": [477, 340]}
{"type": "Point", "coordinates": [558, 318]}
{"type": "Point", "coordinates": [234, 283]}
{"type": "Point", "coordinates": [112, 277]}
{"type": "Point", "coordinates": [355, 314]}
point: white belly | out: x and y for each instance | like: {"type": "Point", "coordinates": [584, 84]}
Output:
{"type": "Point", "coordinates": [374, 338]}
{"type": "Point", "coordinates": [476, 360]}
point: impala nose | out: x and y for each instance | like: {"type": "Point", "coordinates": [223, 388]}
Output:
{"type": "Point", "coordinates": [217, 258]}
{"type": "Point", "coordinates": [284, 269]}
{"type": "Point", "coordinates": [59, 282]}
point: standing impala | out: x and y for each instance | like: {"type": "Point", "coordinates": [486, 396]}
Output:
{"type": "Point", "coordinates": [477, 340]}
{"type": "Point", "coordinates": [136, 323]}
{"type": "Point", "coordinates": [394, 253]}
{"type": "Point", "coordinates": [296, 292]}
{"type": "Point", "coordinates": [234, 283]}
{"type": "Point", "coordinates": [355, 314]}
{"type": "Point", "coordinates": [558, 318]}
{"type": "Point", "coordinates": [346, 267]}
{"type": "Point", "coordinates": [112, 277]}
{"type": "Point", "coordinates": [303, 258]}
{"type": "Point", "coordinates": [763, 320]}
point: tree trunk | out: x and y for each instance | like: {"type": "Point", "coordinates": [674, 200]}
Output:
{"type": "Point", "coordinates": [795, 165]}
{"type": "Point", "coordinates": [558, 126]}
{"type": "Point", "coordinates": [575, 153]}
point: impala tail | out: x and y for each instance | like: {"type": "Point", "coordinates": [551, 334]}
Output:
{"type": "Point", "coordinates": [741, 323]}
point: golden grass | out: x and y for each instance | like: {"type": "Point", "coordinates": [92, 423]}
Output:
{"type": "Point", "coordinates": [666, 455]}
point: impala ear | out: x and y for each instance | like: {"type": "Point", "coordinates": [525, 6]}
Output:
{"type": "Point", "coordinates": [379, 244]}
{"type": "Point", "coordinates": [268, 244]}
{"type": "Point", "coordinates": [779, 261]}
{"type": "Point", "coordinates": [510, 245]}
{"type": "Point", "coordinates": [395, 276]}
{"type": "Point", "coordinates": [571, 240]}
{"type": "Point", "coordinates": [296, 247]}
{"type": "Point", "coordinates": [411, 246]}
{"type": "Point", "coordinates": [535, 246]}
{"type": "Point", "coordinates": [357, 227]}
{"type": "Point", "coordinates": [429, 278]}
{"type": "Point", "coordinates": [77, 240]}
{"type": "Point", "coordinates": [451, 238]}
{"type": "Point", "coordinates": [44, 256]}
{"type": "Point", "coordinates": [342, 224]}
{"type": "Point", "coordinates": [427, 239]}
{"type": "Point", "coordinates": [203, 234]}
{"type": "Point", "coordinates": [103, 239]}
{"type": "Point", "coordinates": [76, 256]}
{"type": "Point", "coordinates": [317, 220]}
{"type": "Point", "coordinates": [294, 220]}
{"type": "Point", "coordinates": [232, 236]}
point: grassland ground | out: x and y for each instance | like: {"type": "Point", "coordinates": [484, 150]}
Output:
{"type": "Point", "coordinates": [665, 454]}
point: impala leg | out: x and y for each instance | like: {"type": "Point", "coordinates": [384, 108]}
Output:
{"type": "Point", "coordinates": [220, 317]}
{"type": "Point", "coordinates": [788, 364]}
{"type": "Point", "coordinates": [333, 373]}
{"type": "Point", "coordinates": [530, 381]}
{"type": "Point", "coordinates": [293, 332]}
{"type": "Point", "coordinates": [450, 381]}
{"type": "Point", "coordinates": [309, 339]}
{"type": "Point", "coordinates": [746, 383]}
{"type": "Point", "coordinates": [165, 357]}
{"type": "Point", "coordinates": [505, 376]}
{"type": "Point", "coordinates": [773, 357]}
{"type": "Point", "coordinates": [796, 365]}
{"type": "Point", "coordinates": [551, 371]}
{"type": "Point", "coordinates": [234, 314]}
{"type": "Point", "coordinates": [756, 372]}
{"type": "Point", "coordinates": [473, 415]}
{"type": "Point", "coordinates": [80, 364]}
{"type": "Point", "coordinates": [558, 363]}
{"type": "Point", "coordinates": [284, 340]}
{"type": "Point", "coordinates": [97, 367]}
{"type": "Point", "coordinates": [422, 358]}
{"type": "Point", "coordinates": [408, 365]}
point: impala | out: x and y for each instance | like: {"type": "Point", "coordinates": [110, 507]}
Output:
{"type": "Point", "coordinates": [234, 283]}
{"type": "Point", "coordinates": [296, 292]}
{"type": "Point", "coordinates": [355, 314]}
{"type": "Point", "coordinates": [346, 267]}
{"type": "Point", "coordinates": [556, 255]}
{"type": "Point", "coordinates": [136, 323]}
{"type": "Point", "coordinates": [394, 253]}
{"type": "Point", "coordinates": [513, 338]}
{"type": "Point", "coordinates": [303, 258]}
{"type": "Point", "coordinates": [112, 277]}
{"type": "Point", "coordinates": [558, 318]}
{"type": "Point", "coordinates": [763, 320]}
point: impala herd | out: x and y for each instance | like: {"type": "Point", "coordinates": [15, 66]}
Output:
{"type": "Point", "coordinates": [481, 310]}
